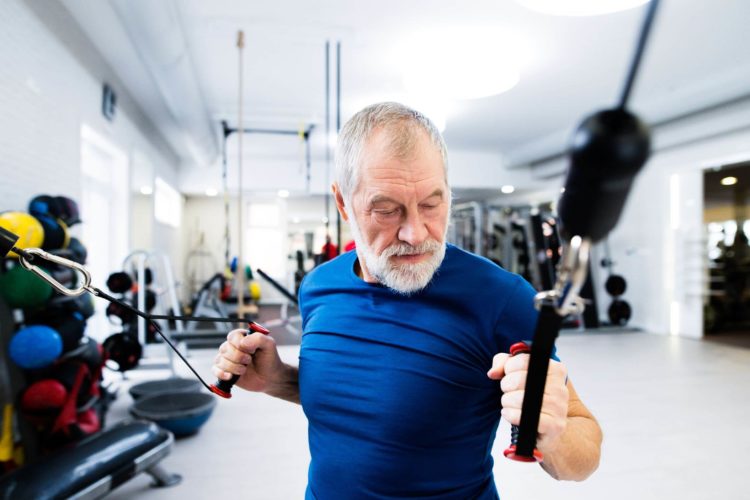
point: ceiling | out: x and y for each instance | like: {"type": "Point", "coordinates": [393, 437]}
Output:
{"type": "Point", "coordinates": [179, 59]}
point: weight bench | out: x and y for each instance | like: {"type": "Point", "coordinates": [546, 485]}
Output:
{"type": "Point", "coordinates": [96, 465]}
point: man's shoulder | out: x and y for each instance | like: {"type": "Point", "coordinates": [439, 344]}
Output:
{"type": "Point", "coordinates": [333, 269]}
{"type": "Point", "coordinates": [469, 265]}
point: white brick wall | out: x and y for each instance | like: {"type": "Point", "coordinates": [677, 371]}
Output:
{"type": "Point", "coordinates": [46, 93]}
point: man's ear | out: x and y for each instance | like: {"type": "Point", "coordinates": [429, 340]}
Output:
{"type": "Point", "coordinates": [340, 205]}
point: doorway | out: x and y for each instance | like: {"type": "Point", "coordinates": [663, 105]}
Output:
{"type": "Point", "coordinates": [726, 219]}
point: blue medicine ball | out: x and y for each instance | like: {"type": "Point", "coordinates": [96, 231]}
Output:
{"type": "Point", "coordinates": [35, 347]}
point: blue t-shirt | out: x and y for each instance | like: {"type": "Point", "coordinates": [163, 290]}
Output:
{"type": "Point", "coordinates": [395, 388]}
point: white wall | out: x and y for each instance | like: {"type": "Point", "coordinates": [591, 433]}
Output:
{"type": "Point", "coordinates": [51, 81]}
{"type": "Point", "coordinates": [46, 94]}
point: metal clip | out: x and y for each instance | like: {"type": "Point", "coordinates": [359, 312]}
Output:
{"type": "Point", "coordinates": [71, 292]}
{"type": "Point", "coordinates": [571, 276]}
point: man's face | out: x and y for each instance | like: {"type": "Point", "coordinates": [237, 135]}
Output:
{"type": "Point", "coordinates": [400, 213]}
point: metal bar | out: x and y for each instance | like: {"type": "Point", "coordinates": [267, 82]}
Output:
{"type": "Point", "coordinates": [270, 131]}
{"type": "Point", "coordinates": [328, 138]}
{"type": "Point", "coordinates": [640, 47]}
{"type": "Point", "coordinates": [338, 129]}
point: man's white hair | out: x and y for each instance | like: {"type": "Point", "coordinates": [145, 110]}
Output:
{"type": "Point", "coordinates": [402, 124]}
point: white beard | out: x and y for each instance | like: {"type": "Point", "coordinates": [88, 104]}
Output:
{"type": "Point", "coordinates": [405, 279]}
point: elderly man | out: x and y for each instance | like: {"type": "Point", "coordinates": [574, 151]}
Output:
{"type": "Point", "coordinates": [399, 337]}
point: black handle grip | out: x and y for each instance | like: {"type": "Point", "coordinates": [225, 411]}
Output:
{"type": "Point", "coordinates": [511, 451]}
{"type": "Point", "coordinates": [7, 241]}
{"type": "Point", "coordinates": [223, 388]}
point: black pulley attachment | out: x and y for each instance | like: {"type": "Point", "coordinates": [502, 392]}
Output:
{"type": "Point", "coordinates": [607, 151]}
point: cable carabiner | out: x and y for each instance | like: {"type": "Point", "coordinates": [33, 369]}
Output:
{"type": "Point", "coordinates": [70, 292]}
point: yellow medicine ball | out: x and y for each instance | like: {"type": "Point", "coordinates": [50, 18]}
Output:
{"type": "Point", "coordinates": [254, 288]}
{"type": "Point", "coordinates": [28, 229]}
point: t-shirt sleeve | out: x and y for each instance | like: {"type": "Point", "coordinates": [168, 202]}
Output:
{"type": "Point", "coordinates": [517, 321]}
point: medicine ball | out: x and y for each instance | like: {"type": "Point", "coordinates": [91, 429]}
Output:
{"type": "Point", "coordinates": [84, 304]}
{"type": "Point", "coordinates": [615, 285]}
{"type": "Point", "coordinates": [123, 351]}
{"type": "Point", "coordinates": [56, 235]}
{"type": "Point", "coordinates": [35, 347]}
{"type": "Point", "coordinates": [150, 300]}
{"type": "Point", "coordinates": [148, 276]}
{"type": "Point", "coordinates": [28, 229]}
{"type": "Point", "coordinates": [254, 289]}
{"type": "Point", "coordinates": [123, 314]}
{"type": "Point", "coordinates": [78, 252]}
{"type": "Point", "coordinates": [71, 329]}
{"type": "Point", "coordinates": [44, 395]}
{"type": "Point", "coordinates": [44, 204]}
{"type": "Point", "coordinates": [23, 289]}
{"type": "Point", "coordinates": [68, 210]}
{"type": "Point", "coordinates": [619, 312]}
{"type": "Point", "coordinates": [119, 282]}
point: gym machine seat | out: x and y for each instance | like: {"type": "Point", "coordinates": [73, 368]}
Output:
{"type": "Point", "coordinates": [96, 465]}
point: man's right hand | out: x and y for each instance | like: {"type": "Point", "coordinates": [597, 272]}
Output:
{"type": "Point", "coordinates": [254, 357]}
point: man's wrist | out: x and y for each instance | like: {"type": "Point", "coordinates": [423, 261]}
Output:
{"type": "Point", "coordinates": [286, 384]}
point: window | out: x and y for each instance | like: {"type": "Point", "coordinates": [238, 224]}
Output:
{"type": "Point", "coordinates": [167, 203]}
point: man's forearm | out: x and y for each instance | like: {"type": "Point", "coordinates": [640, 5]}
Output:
{"type": "Point", "coordinates": [575, 455]}
{"type": "Point", "coordinates": [287, 386]}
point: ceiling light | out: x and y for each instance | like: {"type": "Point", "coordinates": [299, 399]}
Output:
{"type": "Point", "coordinates": [457, 63]}
{"type": "Point", "coordinates": [147, 190]}
{"type": "Point", "coordinates": [507, 189]}
{"type": "Point", "coordinates": [211, 192]}
{"type": "Point", "coordinates": [283, 193]}
{"type": "Point", "coordinates": [729, 181]}
{"type": "Point", "coordinates": [579, 7]}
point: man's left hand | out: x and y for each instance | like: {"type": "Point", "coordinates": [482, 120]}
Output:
{"type": "Point", "coordinates": [511, 371]}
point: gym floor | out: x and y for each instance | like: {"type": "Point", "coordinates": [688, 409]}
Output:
{"type": "Point", "coordinates": [674, 413]}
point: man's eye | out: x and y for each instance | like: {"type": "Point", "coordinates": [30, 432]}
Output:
{"type": "Point", "coordinates": [387, 213]}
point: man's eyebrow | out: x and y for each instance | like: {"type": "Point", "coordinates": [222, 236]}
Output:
{"type": "Point", "coordinates": [437, 192]}
{"type": "Point", "coordinates": [380, 198]}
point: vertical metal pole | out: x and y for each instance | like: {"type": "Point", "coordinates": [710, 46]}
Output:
{"type": "Point", "coordinates": [240, 277]}
{"type": "Point", "coordinates": [308, 162]}
{"type": "Point", "coordinates": [328, 139]}
{"type": "Point", "coordinates": [225, 186]}
{"type": "Point", "coordinates": [338, 129]}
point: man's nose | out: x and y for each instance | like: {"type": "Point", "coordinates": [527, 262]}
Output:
{"type": "Point", "coordinates": [413, 230]}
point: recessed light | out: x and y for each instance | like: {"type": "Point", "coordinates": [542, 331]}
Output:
{"type": "Point", "coordinates": [729, 181]}
{"type": "Point", "coordinates": [211, 192]}
{"type": "Point", "coordinates": [283, 193]}
{"type": "Point", "coordinates": [507, 189]}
